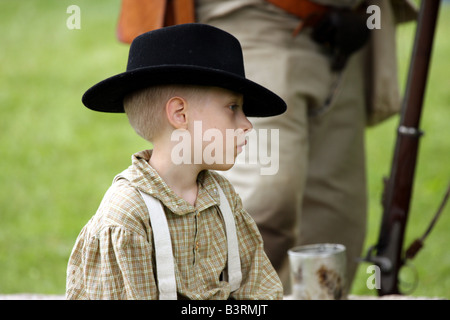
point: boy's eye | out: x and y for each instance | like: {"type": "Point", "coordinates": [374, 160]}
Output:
{"type": "Point", "coordinates": [234, 107]}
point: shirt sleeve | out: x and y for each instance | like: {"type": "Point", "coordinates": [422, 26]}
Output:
{"type": "Point", "coordinates": [115, 264]}
{"type": "Point", "coordinates": [112, 256]}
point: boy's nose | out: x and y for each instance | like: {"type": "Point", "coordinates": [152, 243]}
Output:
{"type": "Point", "coordinates": [245, 124]}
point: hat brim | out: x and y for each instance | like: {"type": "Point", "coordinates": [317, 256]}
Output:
{"type": "Point", "coordinates": [108, 95]}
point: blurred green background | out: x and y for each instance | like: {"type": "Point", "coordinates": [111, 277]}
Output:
{"type": "Point", "coordinates": [58, 158]}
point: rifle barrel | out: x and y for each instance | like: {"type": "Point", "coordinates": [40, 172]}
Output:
{"type": "Point", "coordinates": [400, 184]}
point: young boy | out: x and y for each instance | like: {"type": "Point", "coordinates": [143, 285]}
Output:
{"type": "Point", "coordinates": [169, 227]}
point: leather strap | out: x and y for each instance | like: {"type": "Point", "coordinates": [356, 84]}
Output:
{"type": "Point", "coordinates": [304, 9]}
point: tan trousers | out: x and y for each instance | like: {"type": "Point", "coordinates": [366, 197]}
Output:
{"type": "Point", "coordinates": [318, 194]}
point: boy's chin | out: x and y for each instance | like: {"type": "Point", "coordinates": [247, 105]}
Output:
{"type": "Point", "coordinates": [221, 167]}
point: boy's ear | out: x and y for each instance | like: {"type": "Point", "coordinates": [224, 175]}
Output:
{"type": "Point", "coordinates": [176, 113]}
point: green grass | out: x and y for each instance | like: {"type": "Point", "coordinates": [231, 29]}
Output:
{"type": "Point", "coordinates": [58, 158]}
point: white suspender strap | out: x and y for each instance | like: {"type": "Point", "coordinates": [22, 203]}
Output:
{"type": "Point", "coordinates": [234, 261]}
{"type": "Point", "coordinates": [165, 266]}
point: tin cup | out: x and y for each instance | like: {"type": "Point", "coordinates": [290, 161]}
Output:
{"type": "Point", "coordinates": [318, 272]}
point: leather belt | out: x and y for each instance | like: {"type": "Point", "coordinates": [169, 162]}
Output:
{"type": "Point", "coordinates": [304, 9]}
{"type": "Point", "coordinates": [308, 11]}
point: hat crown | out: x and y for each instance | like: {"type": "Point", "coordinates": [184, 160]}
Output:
{"type": "Point", "coordinates": [193, 44]}
{"type": "Point", "coordinates": [189, 54]}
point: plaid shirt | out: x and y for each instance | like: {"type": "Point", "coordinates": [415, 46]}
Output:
{"type": "Point", "coordinates": [113, 257]}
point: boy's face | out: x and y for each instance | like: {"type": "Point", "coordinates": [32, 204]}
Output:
{"type": "Point", "coordinates": [218, 126]}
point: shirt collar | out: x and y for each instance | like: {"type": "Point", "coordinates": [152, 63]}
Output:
{"type": "Point", "coordinates": [144, 177]}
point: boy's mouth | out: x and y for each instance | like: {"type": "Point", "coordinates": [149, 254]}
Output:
{"type": "Point", "coordinates": [241, 146]}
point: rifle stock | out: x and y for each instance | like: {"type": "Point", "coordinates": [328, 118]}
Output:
{"type": "Point", "coordinates": [398, 189]}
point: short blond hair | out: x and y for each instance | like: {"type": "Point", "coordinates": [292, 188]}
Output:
{"type": "Point", "coordinates": [145, 108]}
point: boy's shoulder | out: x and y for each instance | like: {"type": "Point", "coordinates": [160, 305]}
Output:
{"type": "Point", "coordinates": [121, 207]}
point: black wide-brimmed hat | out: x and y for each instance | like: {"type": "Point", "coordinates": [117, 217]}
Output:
{"type": "Point", "coordinates": [193, 53]}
